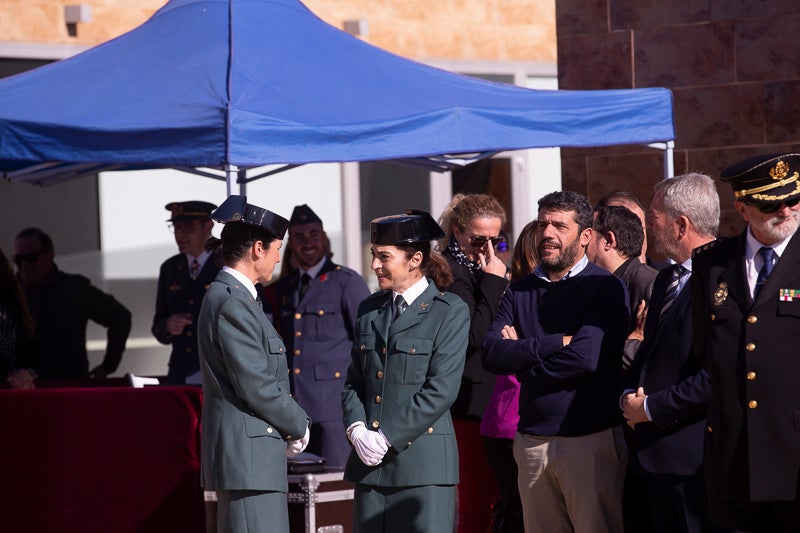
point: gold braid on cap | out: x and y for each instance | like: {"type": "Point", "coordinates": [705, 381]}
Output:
{"type": "Point", "coordinates": [753, 193]}
{"type": "Point", "coordinates": [779, 172]}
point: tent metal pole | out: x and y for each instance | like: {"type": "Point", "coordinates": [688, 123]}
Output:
{"type": "Point", "coordinates": [231, 173]}
{"type": "Point", "coordinates": [242, 179]}
{"type": "Point", "coordinates": [351, 216]}
{"type": "Point", "coordinates": [669, 160]}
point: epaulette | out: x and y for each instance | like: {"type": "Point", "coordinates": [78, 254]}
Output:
{"type": "Point", "coordinates": [704, 248]}
{"type": "Point", "coordinates": [448, 297]}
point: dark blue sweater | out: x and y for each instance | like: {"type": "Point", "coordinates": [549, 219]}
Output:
{"type": "Point", "coordinates": [566, 390]}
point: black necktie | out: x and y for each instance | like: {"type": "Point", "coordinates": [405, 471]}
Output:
{"type": "Point", "coordinates": [195, 269]}
{"type": "Point", "coordinates": [768, 255]}
{"type": "Point", "coordinates": [305, 279]}
{"type": "Point", "coordinates": [400, 305]}
{"type": "Point", "coordinates": [672, 288]}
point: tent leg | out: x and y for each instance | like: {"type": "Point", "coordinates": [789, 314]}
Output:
{"type": "Point", "coordinates": [669, 160]}
{"type": "Point", "coordinates": [242, 175]}
{"type": "Point", "coordinates": [234, 175]}
{"type": "Point", "coordinates": [231, 173]}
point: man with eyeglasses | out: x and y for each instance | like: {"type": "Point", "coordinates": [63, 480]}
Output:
{"type": "Point", "coordinates": [61, 305]}
{"type": "Point", "coordinates": [182, 283]}
{"type": "Point", "coordinates": [746, 313]}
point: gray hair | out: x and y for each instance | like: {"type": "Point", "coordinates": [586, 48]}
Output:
{"type": "Point", "coordinates": [695, 196]}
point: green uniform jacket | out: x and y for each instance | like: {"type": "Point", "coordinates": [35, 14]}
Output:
{"type": "Point", "coordinates": [403, 378]}
{"type": "Point", "coordinates": [248, 414]}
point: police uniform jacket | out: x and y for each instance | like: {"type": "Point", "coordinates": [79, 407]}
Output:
{"type": "Point", "coordinates": [752, 450]}
{"type": "Point", "coordinates": [677, 387]}
{"type": "Point", "coordinates": [179, 293]}
{"type": "Point", "coordinates": [319, 333]}
{"type": "Point", "coordinates": [248, 414]}
{"type": "Point", "coordinates": [403, 378]}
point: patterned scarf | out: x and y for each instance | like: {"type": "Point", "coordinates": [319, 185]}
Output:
{"type": "Point", "coordinates": [455, 252]}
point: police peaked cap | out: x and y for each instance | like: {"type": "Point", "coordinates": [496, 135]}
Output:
{"type": "Point", "coordinates": [765, 179]}
{"type": "Point", "coordinates": [191, 210]}
{"type": "Point", "coordinates": [303, 214]}
{"type": "Point", "coordinates": [236, 209]}
{"type": "Point", "coordinates": [413, 226]}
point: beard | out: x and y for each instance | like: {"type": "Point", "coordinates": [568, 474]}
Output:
{"type": "Point", "coordinates": [666, 246]}
{"type": "Point", "coordinates": [561, 261]}
{"type": "Point", "coordinates": [776, 228]}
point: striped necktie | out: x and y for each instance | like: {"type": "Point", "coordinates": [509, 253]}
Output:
{"type": "Point", "coordinates": [195, 269]}
{"type": "Point", "coordinates": [672, 289]}
{"type": "Point", "coordinates": [768, 255]}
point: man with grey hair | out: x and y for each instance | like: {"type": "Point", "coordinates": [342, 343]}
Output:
{"type": "Point", "coordinates": [746, 312]}
{"type": "Point", "coordinates": [669, 392]}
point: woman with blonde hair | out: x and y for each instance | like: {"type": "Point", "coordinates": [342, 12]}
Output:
{"type": "Point", "coordinates": [472, 225]}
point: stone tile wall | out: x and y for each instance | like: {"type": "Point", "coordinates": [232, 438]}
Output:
{"type": "Point", "coordinates": [488, 30]}
{"type": "Point", "coordinates": [733, 67]}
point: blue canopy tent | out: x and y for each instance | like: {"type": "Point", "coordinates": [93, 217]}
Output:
{"type": "Point", "coordinates": [237, 84]}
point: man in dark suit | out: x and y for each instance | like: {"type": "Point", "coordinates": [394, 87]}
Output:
{"type": "Point", "coordinates": [669, 391]}
{"type": "Point", "coordinates": [616, 243]}
{"type": "Point", "coordinates": [746, 314]}
{"type": "Point", "coordinates": [182, 283]}
{"type": "Point", "coordinates": [317, 310]}
{"type": "Point", "coordinates": [251, 424]}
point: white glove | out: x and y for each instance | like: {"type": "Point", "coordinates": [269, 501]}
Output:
{"type": "Point", "coordinates": [295, 447]}
{"type": "Point", "coordinates": [370, 446]}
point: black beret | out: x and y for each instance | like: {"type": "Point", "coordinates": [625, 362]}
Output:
{"type": "Point", "coordinates": [235, 208]}
{"type": "Point", "coordinates": [189, 210]}
{"type": "Point", "coordinates": [765, 179]}
{"type": "Point", "coordinates": [413, 226]}
{"type": "Point", "coordinates": [302, 214]}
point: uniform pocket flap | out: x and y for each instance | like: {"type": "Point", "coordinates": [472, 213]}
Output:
{"type": "Point", "coordinates": [255, 427]}
{"type": "Point", "coordinates": [276, 345]}
{"type": "Point", "coordinates": [789, 309]}
{"type": "Point", "coordinates": [414, 346]}
{"type": "Point", "coordinates": [366, 342]}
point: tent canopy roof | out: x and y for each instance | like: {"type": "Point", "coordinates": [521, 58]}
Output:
{"type": "Point", "coordinates": [210, 83]}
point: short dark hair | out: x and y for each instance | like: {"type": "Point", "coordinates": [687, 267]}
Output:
{"type": "Point", "coordinates": [625, 225]}
{"type": "Point", "coordinates": [620, 195]}
{"type": "Point", "coordinates": [569, 201]}
{"type": "Point", "coordinates": [237, 237]}
{"type": "Point", "coordinates": [43, 238]}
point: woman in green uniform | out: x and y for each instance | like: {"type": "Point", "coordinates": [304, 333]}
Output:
{"type": "Point", "coordinates": [407, 361]}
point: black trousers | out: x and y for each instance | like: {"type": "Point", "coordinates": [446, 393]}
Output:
{"type": "Point", "coordinates": [507, 510]}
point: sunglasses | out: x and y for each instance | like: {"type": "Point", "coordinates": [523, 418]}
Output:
{"type": "Point", "coordinates": [774, 208]}
{"type": "Point", "coordinates": [477, 241]}
{"type": "Point", "coordinates": [25, 258]}
{"type": "Point", "coordinates": [501, 246]}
